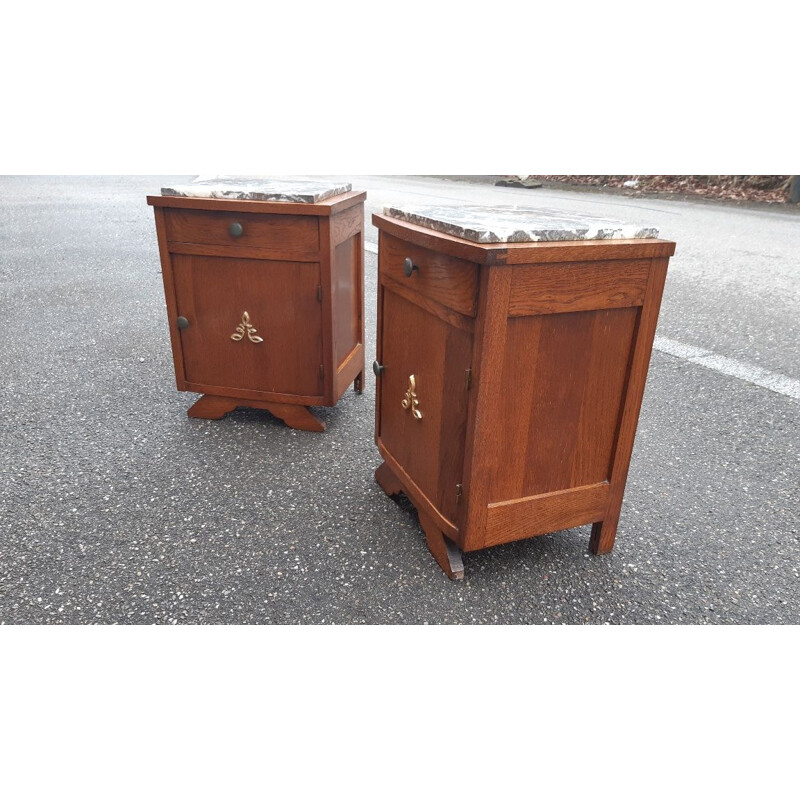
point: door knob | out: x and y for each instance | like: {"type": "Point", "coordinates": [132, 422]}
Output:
{"type": "Point", "coordinates": [408, 267]}
{"type": "Point", "coordinates": [235, 229]}
{"type": "Point", "coordinates": [183, 323]}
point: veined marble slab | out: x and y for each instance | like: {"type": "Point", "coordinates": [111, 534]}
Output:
{"type": "Point", "coordinates": [491, 224]}
{"type": "Point", "coordinates": [281, 190]}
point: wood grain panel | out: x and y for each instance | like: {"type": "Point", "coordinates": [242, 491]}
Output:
{"type": "Point", "coordinates": [346, 288]}
{"type": "Point", "coordinates": [592, 250]}
{"type": "Point", "coordinates": [606, 383]}
{"type": "Point", "coordinates": [430, 449]}
{"type": "Point", "coordinates": [235, 251]}
{"type": "Point", "coordinates": [269, 231]}
{"type": "Point", "coordinates": [431, 306]}
{"type": "Point", "coordinates": [484, 450]}
{"type": "Point", "coordinates": [451, 282]}
{"type": "Point", "coordinates": [347, 224]}
{"type": "Point", "coordinates": [545, 513]}
{"type": "Point", "coordinates": [577, 287]}
{"type": "Point", "coordinates": [564, 379]}
{"type": "Point", "coordinates": [348, 369]}
{"type": "Point", "coordinates": [562, 368]}
{"type": "Point", "coordinates": [281, 299]}
{"type": "Point", "coordinates": [169, 296]}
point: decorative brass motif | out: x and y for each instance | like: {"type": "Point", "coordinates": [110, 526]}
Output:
{"type": "Point", "coordinates": [244, 327]}
{"type": "Point", "coordinates": [410, 399]}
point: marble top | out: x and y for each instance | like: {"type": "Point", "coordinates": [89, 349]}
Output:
{"type": "Point", "coordinates": [281, 190]}
{"type": "Point", "coordinates": [490, 224]}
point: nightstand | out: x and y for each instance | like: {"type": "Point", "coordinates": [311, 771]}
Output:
{"type": "Point", "coordinates": [264, 290]}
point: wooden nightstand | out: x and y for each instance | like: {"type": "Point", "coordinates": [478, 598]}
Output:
{"type": "Point", "coordinates": [265, 294]}
{"type": "Point", "coordinates": [511, 373]}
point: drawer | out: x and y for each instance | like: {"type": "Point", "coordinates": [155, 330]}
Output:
{"type": "Point", "coordinates": [450, 281]}
{"type": "Point", "coordinates": [278, 232]}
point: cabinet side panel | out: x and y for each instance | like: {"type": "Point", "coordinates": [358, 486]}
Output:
{"type": "Point", "coordinates": [169, 296]}
{"type": "Point", "coordinates": [564, 378]}
{"type": "Point", "coordinates": [346, 282]}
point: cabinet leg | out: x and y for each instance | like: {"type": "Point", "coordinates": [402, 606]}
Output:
{"type": "Point", "coordinates": [211, 406]}
{"type": "Point", "coordinates": [387, 480]}
{"type": "Point", "coordinates": [447, 555]}
{"type": "Point", "coordinates": [297, 417]}
{"type": "Point", "coordinates": [603, 534]}
{"type": "Point", "coordinates": [358, 383]}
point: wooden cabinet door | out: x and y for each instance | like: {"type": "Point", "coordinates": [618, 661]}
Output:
{"type": "Point", "coordinates": [253, 324]}
{"type": "Point", "coordinates": [422, 420]}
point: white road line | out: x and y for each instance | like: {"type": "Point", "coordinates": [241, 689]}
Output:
{"type": "Point", "coordinates": [774, 381]}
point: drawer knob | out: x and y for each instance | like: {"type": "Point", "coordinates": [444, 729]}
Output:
{"type": "Point", "coordinates": [183, 323]}
{"type": "Point", "coordinates": [377, 368]}
{"type": "Point", "coordinates": [235, 229]}
{"type": "Point", "coordinates": [408, 267]}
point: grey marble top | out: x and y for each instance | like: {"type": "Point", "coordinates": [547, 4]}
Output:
{"type": "Point", "coordinates": [489, 224]}
{"type": "Point", "coordinates": [282, 190]}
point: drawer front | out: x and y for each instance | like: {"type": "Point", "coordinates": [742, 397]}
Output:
{"type": "Point", "coordinates": [278, 232]}
{"type": "Point", "coordinates": [447, 280]}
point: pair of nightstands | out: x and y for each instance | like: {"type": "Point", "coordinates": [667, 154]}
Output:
{"type": "Point", "coordinates": [512, 348]}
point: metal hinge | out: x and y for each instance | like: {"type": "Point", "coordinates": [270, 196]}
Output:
{"type": "Point", "coordinates": [459, 488]}
{"type": "Point", "coordinates": [468, 379]}
{"type": "Point", "coordinates": [319, 293]}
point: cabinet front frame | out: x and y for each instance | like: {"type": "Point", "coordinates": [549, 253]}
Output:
{"type": "Point", "coordinates": [433, 506]}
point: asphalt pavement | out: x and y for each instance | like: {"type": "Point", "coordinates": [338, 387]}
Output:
{"type": "Point", "coordinates": [117, 508]}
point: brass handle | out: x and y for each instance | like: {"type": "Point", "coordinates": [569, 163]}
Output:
{"type": "Point", "coordinates": [410, 399]}
{"type": "Point", "coordinates": [377, 368]}
{"type": "Point", "coordinates": [245, 327]}
{"type": "Point", "coordinates": [235, 229]}
{"type": "Point", "coordinates": [183, 323]}
{"type": "Point", "coordinates": [408, 267]}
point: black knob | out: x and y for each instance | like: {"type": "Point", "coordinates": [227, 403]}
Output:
{"type": "Point", "coordinates": [235, 229]}
{"type": "Point", "coordinates": [183, 323]}
{"type": "Point", "coordinates": [377, 368]}
{"type": "Point", "coordinates": [408, 267]}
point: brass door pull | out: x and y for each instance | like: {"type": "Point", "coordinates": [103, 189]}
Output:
{"type": "Point", "coordinates": [410, 399]}
{"type": "Point", "coordinates": [244, 327]}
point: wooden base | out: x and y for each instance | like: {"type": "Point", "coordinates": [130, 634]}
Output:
{"type": "Point", "coordinates": [300, 418]}
{"type": "Point", "coordinates": [447, 555]}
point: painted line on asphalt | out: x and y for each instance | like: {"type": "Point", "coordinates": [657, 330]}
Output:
{"type": "Point", "coordinates": [774, 381]}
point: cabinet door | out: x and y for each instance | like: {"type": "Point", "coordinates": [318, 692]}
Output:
{"type": "Point", "coordinates": [253, 324]}
{"type": "Point", "coordinates": [422, 419]}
